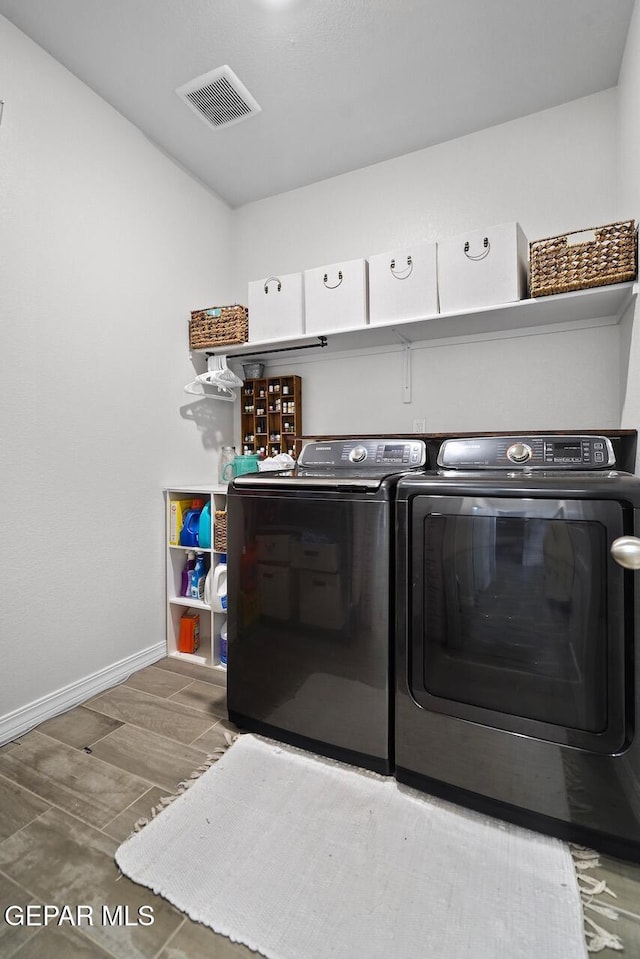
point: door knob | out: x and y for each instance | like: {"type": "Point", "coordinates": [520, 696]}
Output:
{"type": "Point", "coordinates": [626, 551]}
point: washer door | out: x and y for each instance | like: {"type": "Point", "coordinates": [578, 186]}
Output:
{"type": "Point", "coordinates": [517, 616]}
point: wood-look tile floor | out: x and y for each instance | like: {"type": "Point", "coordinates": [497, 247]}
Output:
{"type": "Point", "coordinates": [72, 789]}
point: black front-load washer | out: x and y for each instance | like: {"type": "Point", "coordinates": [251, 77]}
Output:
{"type": "Point", "coordinates": [310, 584]}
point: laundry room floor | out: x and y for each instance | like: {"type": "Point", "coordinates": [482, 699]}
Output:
{"type": "Point", "coordinates": [72, 789]}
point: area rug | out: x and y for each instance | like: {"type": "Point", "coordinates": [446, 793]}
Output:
{"type": "Point", "coordinates": [299, 857]}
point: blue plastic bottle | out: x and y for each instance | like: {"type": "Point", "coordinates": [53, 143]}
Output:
{"type": "Point", "coordinates": [190, 528]}
{"type": "Point", "coordinates": [198, 576]}
{"type": "Point", "coordinates": [204, 527]}
{"type": "Point", "coordinates": [223, 644]}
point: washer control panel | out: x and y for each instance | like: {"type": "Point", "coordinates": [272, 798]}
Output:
{"type": "Point", "coordinates": [364, 454]}
{"type": "Point", "coordinates": [544, 451]}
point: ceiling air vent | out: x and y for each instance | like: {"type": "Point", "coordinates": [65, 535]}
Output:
{"type": "Point", "coordinates": [219, 98]}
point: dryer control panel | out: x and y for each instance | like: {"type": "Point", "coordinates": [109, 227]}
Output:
{"type": "Point", "coordinates": [552, 451]}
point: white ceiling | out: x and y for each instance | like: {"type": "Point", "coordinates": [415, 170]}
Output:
{"type": "Point", "coordinates": [342, 83]}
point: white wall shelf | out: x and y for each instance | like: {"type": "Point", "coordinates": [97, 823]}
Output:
{"type": "Point", "coordinates": [210, 621]}
{"type": "Point", "coordinates": [603, 303]}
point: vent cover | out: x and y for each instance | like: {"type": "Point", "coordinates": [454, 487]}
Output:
{"type": "Point", "coordinates": [219, 98]}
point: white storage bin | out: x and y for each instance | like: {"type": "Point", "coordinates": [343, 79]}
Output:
{"type": "Point", "coordinates": [335, 296]}
{"type": "Point", "coordinates": [483, 268]}
{"type": "Point", "coordinates": [276, 307]}
{"type": "Point", "coordinates": [403, 284]}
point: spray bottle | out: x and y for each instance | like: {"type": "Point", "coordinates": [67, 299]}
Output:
{"type": "Point", "coordinates": [186, 574]}
{"type": "Point", "coordinates": [198, 576]}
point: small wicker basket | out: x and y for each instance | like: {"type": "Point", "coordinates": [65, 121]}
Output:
{"type": "Point", "coordinates": [218, 326]}
{"type": "Point", "coordinates": [575, 261]}
{"type": "Point", "coordinates": [220, 531]}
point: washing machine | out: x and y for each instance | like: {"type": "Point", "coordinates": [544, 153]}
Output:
{"type": "Point", "coordinates": [310, 597]}
{"type": "Point", "coordinates": [517, 659]}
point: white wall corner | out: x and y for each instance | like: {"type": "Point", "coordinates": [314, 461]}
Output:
{"type": "Point", "coordinates": [22, 720]}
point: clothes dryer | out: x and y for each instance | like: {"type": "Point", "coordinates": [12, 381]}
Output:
{"type": "Point", "coordinates": [517, 656]}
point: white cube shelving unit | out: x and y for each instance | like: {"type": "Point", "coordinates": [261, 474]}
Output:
{"type": "Point", "coordinates": [210, 621]}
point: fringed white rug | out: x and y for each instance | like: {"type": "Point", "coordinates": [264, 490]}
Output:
{"type": "Point", "coordinates": [301, 858]}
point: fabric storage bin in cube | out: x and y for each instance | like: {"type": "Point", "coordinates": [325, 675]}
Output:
{"type": "Point", "coordinates": [335, 297]}
{"type": "Point", "coordinates": [403, 284]}
{"type": "Point", "coordinates": [276, 307]}
{"type": "Point", "coordinates": [483, 268]}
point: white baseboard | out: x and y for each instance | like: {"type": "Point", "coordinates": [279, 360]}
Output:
{"type": "Point", "coordinates": [21, 720]}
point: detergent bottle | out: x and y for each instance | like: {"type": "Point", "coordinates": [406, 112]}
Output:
{"type": "Point", "coordinates": [190, 527]}
{"type": "Point", "coordinates": [223, 644]}
{"type": "Point", "coordinates": [219, 586]}
{"type": "Point", "coordinates": [204, 527]}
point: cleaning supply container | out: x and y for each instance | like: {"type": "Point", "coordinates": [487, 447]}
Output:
{"type": "Point", "coordinates": [198, 577]}
{"type": "Point", "coordinates": [189, 566]}
{"type": "Point", "coordinates": [223, 644]}
{"type": "Point", "coordinates": [204, 527]}
{"type": "Point", "coordinates": [191, 525]}
{"type": "Point", "coordinates": [189, 635]}
{"type": "Point", "coordinates": [219, 586]}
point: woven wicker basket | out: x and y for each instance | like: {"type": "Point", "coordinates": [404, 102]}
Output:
{"type": "Point", "coordinates": [220, 531]}
{"type": "Point", "coordinates": [576, 261]}
{"type": "Point", "coordinates": [218, 326]}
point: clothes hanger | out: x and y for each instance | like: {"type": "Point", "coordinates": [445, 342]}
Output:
{"type": "Point", "coordinates": [214, 379]}
{"type": "Point", "coordinates": [221, 374]}
{"type": "Point", "coordinates": [197, 388]}
{"type": "Point", "coordinates": [220, 377]}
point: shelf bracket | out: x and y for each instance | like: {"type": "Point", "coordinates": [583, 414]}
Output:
{"type": "Point", "coordinates": [280, 349]}
{"type": "Point", "coordinates": [406, 373]}
{"type": "Point", "coordinates": [406, 366]}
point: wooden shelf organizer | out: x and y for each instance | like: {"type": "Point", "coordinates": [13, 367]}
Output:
{"type": "Point", "coordinates": [271, 418]}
